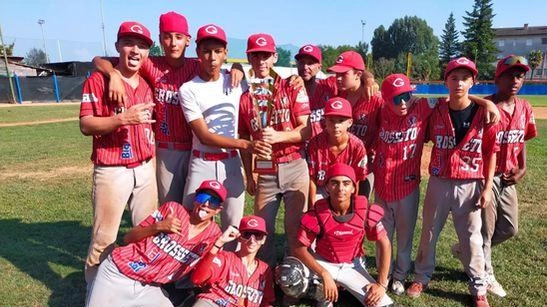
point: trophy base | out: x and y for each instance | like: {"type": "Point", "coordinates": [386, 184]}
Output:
{"type": "Point", "coordinates": [265, 167]}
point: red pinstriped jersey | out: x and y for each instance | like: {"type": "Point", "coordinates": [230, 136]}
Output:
{"type": "Point", "coordinates": [164, 257]}
{"type": "Point", "coordinates": [365, 118]}
{"type": "Point", "coordinates": [325, 89]}
{"type": "Point", "coordinates": [289, 104]}
{"type": "Point", "coordinates": [170, 126]}
{"type": "Point", "coordinates": [514, 130]}
{"type": "Point", "coordinates": [129, 143]}
{"type": "Point", "coordinates": [320, 157]}
{"type": "Point", "coordinates": [231, 286]}
{"type": "Point", "coordinates": [398, 149]}
{"type": "Point", "coordinates": [464, 160]}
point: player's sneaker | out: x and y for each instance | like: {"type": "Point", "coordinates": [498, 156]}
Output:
{"type": "Point", "coordinates": [415, 289]}
{"type": "Point", "coordinates": [324, 303]}
{"type": "Point", "coordinates": [456, 251]}
{"type": "Point", "coordinates": [495, 288]}
{"type": "Point", "coordinates": [480, 301]}
{"type": "Point", "coordinates": [397, 287]}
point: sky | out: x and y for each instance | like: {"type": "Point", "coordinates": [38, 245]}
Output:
{"type": "Point", "coordinates": [72, 29]}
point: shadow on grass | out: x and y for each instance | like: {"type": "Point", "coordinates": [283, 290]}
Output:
{"type": "Point", "coordinates": [47, 251]}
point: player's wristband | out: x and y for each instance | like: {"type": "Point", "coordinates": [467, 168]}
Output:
{"type": "Point", "coordinates": [219, 247]}
{"type": "Point", "coordinates": [381, 285]}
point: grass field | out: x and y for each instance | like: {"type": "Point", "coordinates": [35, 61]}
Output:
{"type": "Point", "coordinates": [45, 213]}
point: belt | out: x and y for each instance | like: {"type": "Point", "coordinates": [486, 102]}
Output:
{"type": "Point", "coordinates": [289, 158]}
{"type": "Point", "coordinates": [137, 164]}
{"type": "Point", "coordinates": [210, 156]}
{"type": "Point", "coordinates": [174, 146]}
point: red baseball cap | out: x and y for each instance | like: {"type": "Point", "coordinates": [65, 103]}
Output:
{"type": "Point", "coordinates": [253, 223]}
{"type": "Point", "coordinates": [511, 61]}
{"type": "Point", "coordinates": [211, 31]}
{"type": "Point", "coordinates": [338, 106]}
{"type": "Point", "coordinates": [174, 22]}
{"type": "Point", "coordinates": [260, 42]}
{"type": "Point", "coordinates": [215, 186]}
{"type": "Point", "coordinates": [311, 51]}
{"type": "Point", "coordinates": [341, 169]}
{"type": "Point", "coordinates": [461, 62]}
{"type": "Point", "coordinates": [346, 61]}
{"type": "Point", "coordinates": [133, 28]}
{"type": "Point", "coordinates": [395, 84]}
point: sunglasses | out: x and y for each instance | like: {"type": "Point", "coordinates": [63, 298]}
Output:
{"type": "Point", "coordinates": [257, 235]}
{"type": "Point", "coordinates": [515, 59]}
{"type": "Point", "coordinates": [399, 98]}
{"type": "Point", "coordinates": [205, 198]}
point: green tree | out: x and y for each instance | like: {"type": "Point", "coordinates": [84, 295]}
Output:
{"type": "Point", "coordinates": [8, 48]}
{"type": "Point", "coordinates": [362, 49]}
{"type": "Point", "coordinates": [450, 46]}
{"type": "Point", "coordinates": [283, 57]}
{"type": "Point", "coordinates": [155, 50]}
{"type": "Point", "coordinates": [381, 46]}
{"type": "Point", "coordinates": [425, 67]}
{"type": "Point", "coordinates": [383, 67]}
{"type": "Point", "coordinates": [535, 58]}
{"type": "Point", "coordinates": [35, 57]}
{"type": "Point", "coordinates": [479, 38]}
{"type": "Point", "coordinates": [330, 54]}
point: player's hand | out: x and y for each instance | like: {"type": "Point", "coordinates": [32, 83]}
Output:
{"type": "Point", "coordinates": [513, 177]}
{"type": "Point", "coordinates": [493, 115]}
{"type": "Point", "coordinates": [116, 90]}
{"type": "Point", "coordinates": [296, 82]}
{"type": "Point", "coordinates": [485, 199]}
{"type": "Point", "coordinates": [271, 136]}
{"type": "Point", "coordinates": [330, 290]}
{"type": "Point", "coordinates": [262, 149]}
{"type": "Point", "coordinates": [138, 114]}
{"type": "Point", "coordinates": [169, 224]}
{"type": "Point", "coordinates": [230, 234]}
{"type": "Point", "coordinates": [375, 292]}
{"type": "Point", "coordinates": [251, 184]}
{"type": "Point", "coordinates": [236, 75]}
{"type": "Point", "coordinates": [371, 88]}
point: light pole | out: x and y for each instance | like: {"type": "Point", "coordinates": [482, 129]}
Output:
{"type": "Point", "coordinates": [102, 28]}
{"type": "Point", "coordinates": [363, 23]}
{"type": "Point", "coordinates": [41, 23]}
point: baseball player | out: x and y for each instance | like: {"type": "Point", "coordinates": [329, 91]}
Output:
{"type": "Point", "coordinates": [308, 64]}
{"type": "Point", "coordinates": [211, 107]}
{"type": "Point", "coordinates": [500, 221]}
{"type": "Point", "coordinates": [236, 278]}
{"type": "Point", "coordinates": [161, 249]}
{"type": "Point", "coordinates": [334, 145]}
{"type": "Point", "coordinates": [286, 128]}
{"type": "Point", "coordinates": [462, 168]}
{"type": "Point", "coordinates": [166, 74]}
{"type": "Point", "coordinates": [338, 225]}
{"type": "Point", "coordinates": [123, 145]}
{"type": "Point", "coordinates": [349, 68]}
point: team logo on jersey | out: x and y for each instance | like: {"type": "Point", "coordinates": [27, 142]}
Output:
{"type": "Point", "coordinates": [337, 105]}
{"type": "Point", "coordinates": [435, 171]}
{"type": "Point", "coordinates": [261, 41]}
{"type": "Point", "coordinates": [412, 120]}
{"type": "Point", "coordinates": [252, 223]}
{"type": "Point", "coordinates": [89, 98]}
{"type": "Point", "coordinates": [136, 266]}
{"type": "Point", "coordinates": [211, 29]}
{"type": "Point", "coordinates": [340, 59]}
{"type": "Point", "coordinates": [463, 61]}
{"type": "Point", "coordinates": [398, 82]}
{"type": "Point", "coordinates": [308, 48]}
{"type": "Point", "coordinates": [127, 152]}
{"type": "Point", "coordinates": [136, 29]}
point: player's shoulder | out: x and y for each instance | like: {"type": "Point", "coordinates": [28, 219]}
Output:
{"type": "Point", "coordinates": [96, 77]}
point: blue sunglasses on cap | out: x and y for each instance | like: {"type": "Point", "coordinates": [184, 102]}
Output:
{"type": "Point", "coordinates": [203, 197]}
{"type": "Point", "coordinates": [399, 98]}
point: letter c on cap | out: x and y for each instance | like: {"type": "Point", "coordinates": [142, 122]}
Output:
{"type": "Point", "coordinates": [261, 41]}
{"type": "Point", "coordinates": [337, 105]}
{"type": "Point", "coordinates": [211, 29]}
{"type": "Point", "coordinates": [252, 223]}
{"type": "Point", "coordinates": [398, 82]}
{"type": "Point", "coordinates": [215, 185]}
{"type": "Point", "coordinates": [308, 48]}
{"type": "Point", "coordinates": [136, 29]}
{"type": "Point", "coordinates": [463, 61]}
{"type": "Point", "coordinates": [340, 59]}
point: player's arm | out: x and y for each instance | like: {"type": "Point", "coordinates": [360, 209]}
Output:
{"type": "Point", "coordinates": [212, 139]}
{"type": "Point", "coordinates": [375, 291]}
{"type": "Point", "coordinates": [492, 113]}
{"type": "Point", "coordinates": [136, 114]}
{"type": "Point", "coordinates": [236, 74]}
{"type": "Point", "coordinates": [170, 224]}
{"type": "Point", "coordinates": [370, 85]}
{"type": "Point", "coordinates": [313, 191]}
{"type": "Point", "coordinates": [301, 133]}
{"type": "Point", "coordinates": [116, 89]}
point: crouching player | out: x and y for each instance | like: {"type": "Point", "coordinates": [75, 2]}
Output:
{"type": "Point", "coordinates": [338, 225]}
{"type": "Point", "coordinates": [236, 278]}
{"type": "Point", "coordinates": [161, 249]}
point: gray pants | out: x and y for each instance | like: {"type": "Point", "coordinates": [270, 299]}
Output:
{"type": "Point", "coordinates": [171, 172]}
{"type": "Point", "coordinates": [460, 198]}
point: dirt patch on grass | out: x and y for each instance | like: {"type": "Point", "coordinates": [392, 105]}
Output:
{"type": "Point", "coordinates": [46, 175]}
{"type": "Point", "coordinates": [49, 121]}
{"type": "Point", "coordinates": [540, 112]}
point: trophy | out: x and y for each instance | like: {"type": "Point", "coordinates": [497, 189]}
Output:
{"type": "Point", "coordinates": [262, 95]}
